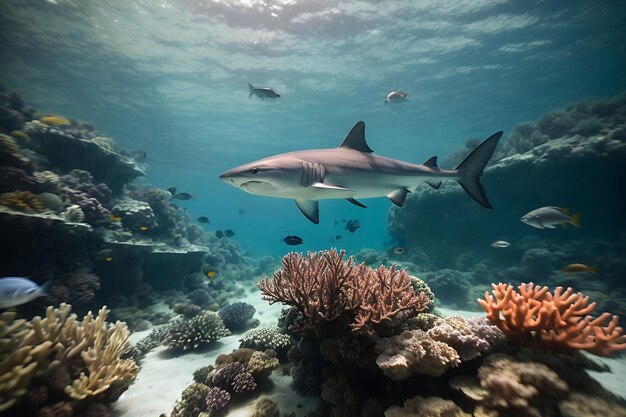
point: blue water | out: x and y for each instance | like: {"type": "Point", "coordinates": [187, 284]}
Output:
{"type": "Point", "coordinates": [170, 77]}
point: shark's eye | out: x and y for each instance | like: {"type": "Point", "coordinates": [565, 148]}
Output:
{"type": "Point", "coordinates": [255, 170]}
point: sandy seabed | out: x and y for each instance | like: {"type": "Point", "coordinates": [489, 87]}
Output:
{"type": "Point", "coordinates": [164, 376]}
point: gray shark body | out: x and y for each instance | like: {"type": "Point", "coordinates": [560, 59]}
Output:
{"type": "Point", "coordinates": [352, 172]}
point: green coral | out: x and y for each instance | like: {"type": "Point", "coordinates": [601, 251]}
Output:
{"type": "Point", "coordinates": [192, 401]}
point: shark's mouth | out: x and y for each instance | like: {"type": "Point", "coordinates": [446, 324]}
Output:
{"type": "Point", "coordinates": [257, 187]}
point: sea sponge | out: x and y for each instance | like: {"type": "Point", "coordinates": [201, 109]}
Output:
{"type": "Point", "coordinates": [191, 333]}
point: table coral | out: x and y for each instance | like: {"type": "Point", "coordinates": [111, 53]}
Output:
{"type": "Point", "coordinates": [560, 320]}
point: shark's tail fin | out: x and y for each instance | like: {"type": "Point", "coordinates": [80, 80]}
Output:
{"type": "Point", "coordinates": [251, 87]}
{"type": "Point", "coordinates": [472, 168]}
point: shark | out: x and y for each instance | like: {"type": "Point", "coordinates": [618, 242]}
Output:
{"type": "Point", "coordinates": [352, 172]}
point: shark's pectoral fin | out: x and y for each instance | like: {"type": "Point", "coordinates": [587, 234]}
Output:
{"type": "Point", "coordinates": [397, 197]}
{"type": "Point", "coordinates": [323, 186]}
{"type": "Point", "coordinates": [434, 183]}
{"type": "Point", "coordinates": [310, 208]}
{"type": "Point", "coordinates": [356, 203]}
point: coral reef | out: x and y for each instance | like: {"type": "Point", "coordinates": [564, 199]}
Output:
{"type": "Point", "coordinates": [192, 333]}
{"type": "Point", "coordinates": [84, 356]}
{"type": "Point", "coordinates": [264, 339]}
{"type": "Point", "coordinates": [237, 315]}
{"type": "Point", "coordinates": [559, 320]}
{"type": "Point", "coordinates": [427, 407]}
{"type": "Point", "coordinates": [324, 287]}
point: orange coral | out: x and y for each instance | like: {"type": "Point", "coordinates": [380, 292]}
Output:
{"type": "Point", "coordinates": [537, 317]}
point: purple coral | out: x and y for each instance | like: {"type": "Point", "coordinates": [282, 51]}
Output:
{"type": "Point", "coordinates": [217, 399]}
{"type": "Point", "coordinates": [243, 382]}
{"type": "Point", "coordinates": [225, 376]}
{"type": "Point", "coordinates": [91, 207]}
{"type": "Point", "coordinates": [13, 178]}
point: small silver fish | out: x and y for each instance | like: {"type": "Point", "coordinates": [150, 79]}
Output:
{"type": "Point", "coordinates": [549, 217]}
{"type": "Point", "coordinates": [262, 92]}
{"type": "Point", "coordinates": [398, 96]}
{"type": "Point", "coordinates": [500, 244]}
{"type": "Point", "coordinates": [15, 291]}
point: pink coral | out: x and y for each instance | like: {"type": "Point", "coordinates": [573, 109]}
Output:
{"type": "Point", "coordinates": [324, 287]}
{"type": "Point", "coordinates": [536, 317]}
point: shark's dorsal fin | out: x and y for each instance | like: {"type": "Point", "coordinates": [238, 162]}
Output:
{"type": "Point", "coordinates": [398, 196]}
{"type": "Point", "coordinates": [356, 139]}
{"type": "Point", "coordinates": [431, 163]}
{"type": "Point", "coordinates": [310, 208]}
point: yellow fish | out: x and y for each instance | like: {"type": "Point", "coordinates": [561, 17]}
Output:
{"type": "Point", "coordinates": [143, 228]}
{"type": "Point", "coordinates": [115, 218]}
{"type": "Point", "coordinates": [108, 258]}
{"type": "Point", "coordinates": [580, 268]}
{"type": "Point", "coordinates": [55, 121]}
{"type": "Point", "coordinates": [18, 134]}
{"type": "Point", "coordinates": [211, 274]}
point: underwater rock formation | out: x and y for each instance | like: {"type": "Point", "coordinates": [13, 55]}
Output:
{"type": "Point", "coordinates": [525, 175]}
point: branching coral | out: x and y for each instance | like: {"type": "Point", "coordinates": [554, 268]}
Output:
{"type": "Point", "coordinates": [49, 346]}
{"type": "Point", "coordinates": [536, 317]}
{"type": "Point", "coordinates": [324, 287]}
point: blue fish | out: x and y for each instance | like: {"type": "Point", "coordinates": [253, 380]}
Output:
{"type": "Point", "coordinates": [15, 291]}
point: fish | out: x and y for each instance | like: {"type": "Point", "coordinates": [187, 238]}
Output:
{"type": "Point", "coordinates": [184, 196]}
{"type": "Point", "coordinates": [15, 291]}
{"type": "Point", "coordinates": [209, 270]}
{"type": "Point", "coordinates": [397, 96]}
{"type": "Point", "coordinates": [500, 244]}
{"type": "Point", "coordinates": [114, 218]}
{"type": "Point", "coordinates": [204, 219]}
{"type": "Point", "coordinates": [352, 225]}
{"type": "Point", "coordinates": [351, 171]}
{"type": "Point", "coordinates": [143, 228]}
{"type": "Point", "coordinates": [219, 234]}
{"type": "Point", "coordinates": [293, 240]}
{"type": "Point", "coordinates": [338, 237]}
{"type": "Point", "coordinates": [580, 268]}
{"type": "Point", "coordinates": [55, 121]}
{"type": "Point", "coordinates": [172, 190]}
{"type": "Point", "coordinates": [262, 92]}
{"type": "Point", "coordinates": [229, 233]}
{"type": "Point", "coordinates": [243, 210]}
{"type": "Point", "coordinates": [398, 250]}
{"type": "Point", "coordinates": [108, 258]}
{"type": "Point", "coordinates": [550, 216]}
